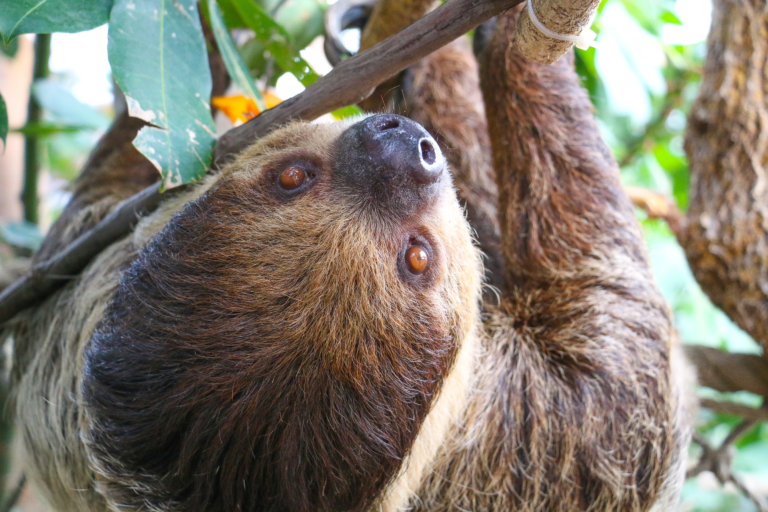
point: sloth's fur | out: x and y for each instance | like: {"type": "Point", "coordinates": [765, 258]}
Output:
{"type": "Point", "coordinates": [246, 351]}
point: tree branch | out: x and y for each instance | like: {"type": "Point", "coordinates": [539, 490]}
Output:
{"type": "Point", "coordinates": [348, 83]}
{"type": "Point", "coordinates": [567, 17]}
{"type": "Point", "coordinates": [729, 372]}
{"type": "Point", "coordinates": [745, 411]}
{"type": "Point", "coordinates": [658, 206]}
{"type": "Point", "coordinates": [48, 276]}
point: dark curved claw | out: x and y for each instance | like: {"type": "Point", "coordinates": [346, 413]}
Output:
{"type": "Point", "coordinates": [340, 16]}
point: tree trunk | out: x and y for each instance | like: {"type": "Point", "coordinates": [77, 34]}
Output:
{"type": "Point", "coordinates": [726, 239]}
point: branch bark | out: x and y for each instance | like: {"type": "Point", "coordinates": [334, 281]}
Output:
{"type": "Point", "coordinates": [728, 372]}
{"type": "Point", "coordinates": [51, 274]}
{"type": "Point", "coordinates": [348, 83]}
{"type": "Point", "coordinates": [726, 235]}
{"type": "Point", "coordinates": [568, 17]}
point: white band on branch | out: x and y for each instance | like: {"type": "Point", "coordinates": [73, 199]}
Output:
{"type": "Point", "coordinates": [582, 41]}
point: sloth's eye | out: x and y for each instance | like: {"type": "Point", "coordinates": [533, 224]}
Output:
{"type": "Point", "coordinates": [292, 178]}
{"type": "Point", "coordinates": [417, 259]}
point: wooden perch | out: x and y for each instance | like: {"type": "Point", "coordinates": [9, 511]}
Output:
{"type": "Point", "coordinates": [348, 83]}
{"type": "Point", "coordinates": [568, 17]}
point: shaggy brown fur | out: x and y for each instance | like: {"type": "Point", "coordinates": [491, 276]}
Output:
{"type": "Point", "coordinates": [250, 350]}
{"type": "Point", "coordinates": [575, 407]}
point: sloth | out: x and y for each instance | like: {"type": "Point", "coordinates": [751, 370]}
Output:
{"type": "Point", "coordinates": [304, 330]}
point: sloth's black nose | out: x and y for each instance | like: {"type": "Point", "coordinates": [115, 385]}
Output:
{"type": "Point", "coordinates": [390, 159]}
{"type": "Point", "coordinates": [401, 146]}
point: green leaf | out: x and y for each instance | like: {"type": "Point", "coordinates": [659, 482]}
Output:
{"type": "Point", "coordinates": [10, 49]}
{"type": "Point", "coordinates": [237, 70]}
{"type": "Point", "coordinates": [670, 17]}
{"type": "Point", "coordinates": [159, 59]}
{"type": "Point", "coordinates": [346, 112]}
{"type": "Point", "coordinates": [46, 16]}
{"type": "Point", "coordinates": [302, 19]}
{"type": "Point", "coordinates": [48, 129]}
{"type": "Point", "coordinates": [22, 234]}
{"type": "Point", "coordinates": [3, 121]}
{"type": "Point", "coordinates": [275, 40]}
{"type": "Point", "coordinates": [64, 108]}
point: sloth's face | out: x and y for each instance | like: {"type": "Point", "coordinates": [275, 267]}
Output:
{"type": "Point", "coordinates": [280, 342]}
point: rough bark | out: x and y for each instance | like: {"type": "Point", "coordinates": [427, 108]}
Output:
{"type": "Point", "coordinates": [726, 238]}
{"type": "Point", "coordinates": [562, 16]}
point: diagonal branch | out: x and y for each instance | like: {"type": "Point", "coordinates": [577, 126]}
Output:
{"type": "Point", "coordinates": [349, 83]}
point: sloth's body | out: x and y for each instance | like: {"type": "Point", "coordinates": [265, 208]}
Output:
{"type": "Point", "coordinates": [255, 347]}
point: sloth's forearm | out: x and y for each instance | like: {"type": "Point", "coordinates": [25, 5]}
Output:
{"type": "Point", "coordinates": [562, 209]}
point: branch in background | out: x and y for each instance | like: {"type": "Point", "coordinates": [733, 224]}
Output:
{"type": "Point", "coordinates": [658, 206]}
{"type": "Point", "coordinates": [567, 17]}
{"type": "Point", "coordinates": [347, 84]}
{"type": "Point", "coordinates": [729, 372]}
{"type": "Point", "coordinates": [734, 409]}
{"type": "Point", "coordinates": [719, 462]}
{"type": "Point", "coordinates": [29, 195]}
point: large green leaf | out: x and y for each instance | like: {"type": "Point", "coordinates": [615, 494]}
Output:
{"type": "Point", "coordinates": [159, 59]}
{"type": "Point", "coordinates": [237, 70]}
{"type": "Point", "coordinates": [45, 16]}
{"type": "Point", "coordinates": [3, 120]}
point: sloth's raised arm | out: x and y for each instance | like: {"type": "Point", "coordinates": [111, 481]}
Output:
{"type": "Point", "coordinates": [576, 405]}
{"type": "Point", "coordinates": [567, 226]}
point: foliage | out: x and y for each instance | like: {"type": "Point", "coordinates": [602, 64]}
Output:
{"type": "Point", "coordinates": [158, 57]}
{"type": "Point", "coordinates": [46, 16]}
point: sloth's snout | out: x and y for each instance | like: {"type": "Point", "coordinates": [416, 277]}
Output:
{"type": "Point", "coordinates": [402, 146]}
{"type": "Point", "coordinates": [390, 159]}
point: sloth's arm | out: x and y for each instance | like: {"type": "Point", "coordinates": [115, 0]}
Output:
{"type": "Point", "coordinates": [576, 405]}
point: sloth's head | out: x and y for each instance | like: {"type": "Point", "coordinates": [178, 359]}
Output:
{"type": "Point", "coordinates": [278, 344]}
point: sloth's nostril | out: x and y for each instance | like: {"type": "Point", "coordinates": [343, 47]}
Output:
{"type": "Point", "coordinates": [387, 123]}
{"type": "Point", "coordinates": [428, 155]}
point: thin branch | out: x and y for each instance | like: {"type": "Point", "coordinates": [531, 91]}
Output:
{"type": "Point", "coordinates": [729, 372]}
{"type": "Point", "coordinates": [354, 79]}
{"type": "Point", "coordinates": [658, 206]}
{"type": "Point", "coordinates": [720, 461]}
{"type": "Point", "coordinates": [746, 412]}
{"type": "Point", "coordinates": [347, 84]}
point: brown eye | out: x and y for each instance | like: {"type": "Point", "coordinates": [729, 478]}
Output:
{"type": "Point", "coordinates": [292, 178]}
{"type": "Point", "coordinates": [417, 259]}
